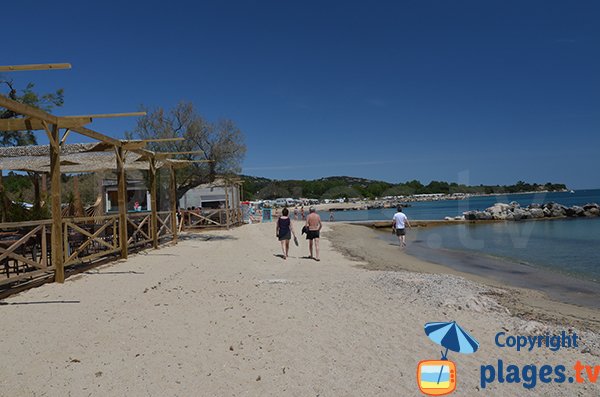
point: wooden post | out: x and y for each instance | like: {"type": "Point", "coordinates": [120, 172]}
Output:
{"type": "Point", "coordinates": [173, 186]}
{"type": "Point", "coordinates": [57, 231]}
{"type": "Point", "coordinates": [153, 202]}
{"type": "Point", "coordinates": [44, 187]}
{"type": "Point", "coordinates": [236, 208]}
{"type": "Point", "coordinates": [44, 248]}
{"type": "Point", "coordinates": [227, 205]}
{"type": "Point", "coordinates": [122, 193]}
{"type": "Point", "coordinates": [102, 202]}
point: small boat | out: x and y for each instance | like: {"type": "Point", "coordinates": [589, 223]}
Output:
{"type": "Point", "coordinates": [572, 191]}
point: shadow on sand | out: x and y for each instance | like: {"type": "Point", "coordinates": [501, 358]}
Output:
{"type": "Point", "coordinates": [205, 237]}
{"type": "Point", "coordinates": [35, 303]}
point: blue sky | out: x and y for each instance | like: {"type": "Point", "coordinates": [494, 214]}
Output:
{"type": "Point", "coordinates": [468, 91]}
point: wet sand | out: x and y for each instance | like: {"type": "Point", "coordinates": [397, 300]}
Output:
{"type": "Point", "coordinates": [529, 292]}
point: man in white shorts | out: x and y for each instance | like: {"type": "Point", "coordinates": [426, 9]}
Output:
{"type": "Point", "coordinates": [398, 223]}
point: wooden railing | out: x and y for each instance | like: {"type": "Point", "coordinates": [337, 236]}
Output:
{"type": "Point", "coordinates": [164, 224]}
{"type": "Point", "coordinates": [211, 218]}
{"type": "Point", "coordinates": [139, 230]}
{"type": "Point", "coordinates": [24, 249]}
{"type": "Point", "coordinates": [87, 239]}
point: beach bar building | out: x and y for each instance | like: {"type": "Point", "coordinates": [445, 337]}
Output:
{"type": "Point", "coordinates": [215, 204]}
{"type": "Point", "coordinates": [41, 250]}
{"type": "Point", "coordinates": [138, 197]}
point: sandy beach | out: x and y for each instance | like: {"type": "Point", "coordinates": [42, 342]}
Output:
{"type": "Point", "coordinates": [221, 314]}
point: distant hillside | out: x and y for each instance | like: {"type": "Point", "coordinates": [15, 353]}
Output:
{"type": "Point", "coordinates": [347, 186]}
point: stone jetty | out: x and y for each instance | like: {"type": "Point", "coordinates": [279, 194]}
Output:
{"type": "Point", "coordinates": [514, 212]}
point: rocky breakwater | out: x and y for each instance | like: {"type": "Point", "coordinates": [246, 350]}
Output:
{"type": "Point", "coordinates": [514, 212]}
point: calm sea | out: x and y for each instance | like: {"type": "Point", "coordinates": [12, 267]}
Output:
{"type": "Point", "coordinates": [569, 246]}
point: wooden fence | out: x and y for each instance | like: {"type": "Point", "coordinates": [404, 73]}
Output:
{"type": "Point", "coordinates": [25, 247]}
{"type": "Point", "coordinates": [211, 218]}
{"type": "Point", "coordinates": [139, 230]}
{"type": "Point", "coordinates": [25, 250]}
{"type": "Point", "coordinates": [88, 239]}
{"type": "Point", "coordinates": [164, 224]}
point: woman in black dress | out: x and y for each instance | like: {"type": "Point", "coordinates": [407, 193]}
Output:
{"type": "Point", "coordinates": [284, 231]}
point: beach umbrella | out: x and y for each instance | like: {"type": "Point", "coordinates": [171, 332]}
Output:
{"type": "Point", "coordinates": [452, 337]}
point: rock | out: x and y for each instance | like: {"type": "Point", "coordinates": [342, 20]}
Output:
{"type": "Point", "coordinates": [520, 214]}
{"type": "Point", "coordinates": [557, 212]}
{"type": "Point", "coordinates": [499, 207]}
{"type": "Point", "coordinates": [536, 213]}
{"type": "Point", "coordinates": [483, 216]}
{"type": "Point", "coordinates": [470, 215]}
{"type": "Point", "coordinates": [592, 212]}
{"type": "Point", "coordinates": [498, 210]}
{"type": "Point", "coordinates": [514, 212]}
{"type": "Point", "coordinates": [547, 212]}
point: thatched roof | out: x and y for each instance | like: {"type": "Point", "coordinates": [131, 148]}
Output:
{"type": "Point", "coordinates": [74, 158]}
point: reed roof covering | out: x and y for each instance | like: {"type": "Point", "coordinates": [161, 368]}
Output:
{"type": "Point", "coordinates": [78, 157]}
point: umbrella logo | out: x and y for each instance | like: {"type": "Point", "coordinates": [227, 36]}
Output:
{"type": "Point", "coordinates": [438, 377]}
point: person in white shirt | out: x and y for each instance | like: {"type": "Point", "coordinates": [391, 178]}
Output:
{"type": "Point", "coordinates": [399, 222]}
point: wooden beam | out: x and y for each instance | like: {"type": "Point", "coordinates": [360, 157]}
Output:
{"type": "Point", "coordinates": [175, 153]}
{"type": "Point", "coordinates": [132, 145]}
{"type": "Point", "coordinates": [109, 115]}
{"type": "Point", "coordinates": [141, 144]}
{"type": "Point", "coordinates": [40, 66]}
{"type": "Point", "coordinates": [173, 186]}
{"type": "Point", "coordinates": [57, 236]}
{"type": "Point", "coordinates": [174, 139]}
{"type": "Point", "coordinates": [122, 193]}
{"type": "Point", "coordinates": [144, 152]}
{"type": "Point", "coordinates": [96, 135]}
{"type": "Point", "coordinates": [65, 136]}
{"type": "Point", "coordinates": [154, 216]}
{"type": "Point", "coordinates": [27, 110]}
{"type": "Point", "coordinates": [29, 124]}
{"type": "Point", "coordinates": [35, 113]}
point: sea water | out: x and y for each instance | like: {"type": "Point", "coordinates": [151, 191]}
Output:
{"type": "Point", "coordinates": [570, 246]}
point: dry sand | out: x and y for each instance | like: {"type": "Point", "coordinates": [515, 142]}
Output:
{"type": "Point", "coordinates": [221, 315]}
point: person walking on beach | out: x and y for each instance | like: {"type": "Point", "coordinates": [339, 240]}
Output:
{"type": "Point", "coordinates": [284, 231]}
{"type": "Point", "coordinates": [313, 223]}
{"type": "Point", "coordinates": [296, 213]}
{"type": "Point", "coordinates": [398, 223]}
{"type": "Point", "coordinates": [302, 213]}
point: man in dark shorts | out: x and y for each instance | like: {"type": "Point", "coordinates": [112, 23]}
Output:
{"type": "Point", "coordinates": [313, 223]}
{"type": "Point", "coordinates": [398, 226]}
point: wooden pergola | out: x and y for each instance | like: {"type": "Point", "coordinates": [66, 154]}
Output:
{"type": "Point", "coordinates": [106, 154]}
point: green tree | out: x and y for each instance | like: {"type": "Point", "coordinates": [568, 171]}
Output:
{"type": "Point", "coordinates": [27, 96]}
{"type": "Point", "coordinates": [222, 143]}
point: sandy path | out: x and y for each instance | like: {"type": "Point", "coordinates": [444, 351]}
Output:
{"type": "Point", "coordinates": [221, 315]}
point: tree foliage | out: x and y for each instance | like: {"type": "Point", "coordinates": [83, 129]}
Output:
{"type": "Point", "coordinates": [46, 102]}
{"type": "Point", "coordinates": [27, 96]}
{"type": "Point", "coordinates": [338, 187]}
{"type": "Point", "coordinates": [222, 142]}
